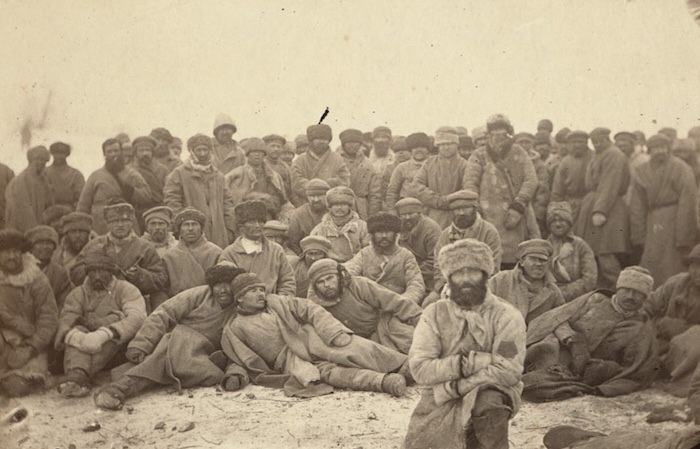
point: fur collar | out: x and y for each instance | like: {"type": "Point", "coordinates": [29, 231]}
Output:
{"type": "Point", "coordinates": [30, 272]}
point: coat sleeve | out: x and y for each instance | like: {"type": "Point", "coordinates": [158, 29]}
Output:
{"type": "Point", "coordinates": [393, 189]}
{"type": "Point", "coordinates": [87, 196]}
{"type": "Point", "coordinates": [325, 324]}
{"type": "Point", "coordinates": [686, 226]}
{"type": "Point", "coordinates": [638, 213]}
{"type": "Point", "coordinates": [172, 192]}
{"type": "Point", "coordinates": [374, 196]}
{"type": "Point", "coordinates": [473, 173]}
{"type": "Point", "coordinates": [286, 283]}
{"type": "Point", "coordinates": [134, 307]}
{"type": "Point", "coordinates": [415, 286]}
{"type": "Point", "coordinates": [151, 273]}
{"type": "Point", "coordinates": [142, 191]}
{"type": "Point", "coordinates": [424, 356]}
{"type": "Point", "coordinates": [298, 179]}
{"type": "Point", "coordinates": [493, 240]}
{"type": "Point", "coordinates": [70, 315]}
{"type": "Point", "coordinates": [558, 184]}
{"type": "Point", "coordinates": [530, 182]}
{"type": "Point", "coordinates": [657, 303]}
{"type": "Point", "coordinates": [589, 274]}
{"type": "Point", "coordinates": [77, 187]}
{"type": "Point", "coordinates": [342, 175]}
{"type": "Point", "coordinates": [229, 206]}
{"type": "Point", "coordinates": [46, 313]}
{"type": "Point", "coordinates": [383, 299]}
{"type": "Point", "coordinates": [438, 279]}
{"type": "Point", "coordinates": [615, 173]}
{"type": "Point", "coordinates": [354, 265]}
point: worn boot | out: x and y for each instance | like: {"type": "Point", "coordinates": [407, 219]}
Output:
{"type": "Point", "coordinates": [362, 379]}
{"type": "Point", "coordinates": [491, 429]}
{"type": "Point", "coordinates": [75, 384]}
{"type": "Point", "coordinates": [113, 396]}
{"type": "Point", "coordinates": [394, 384]}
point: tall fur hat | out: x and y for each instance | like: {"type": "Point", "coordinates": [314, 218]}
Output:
{"type": "Point", "coordinates": [499, 121]}
{"type": "Point", "coordinates": [100, 256]}
{"type": "Point", "coordinates": [250, 210]}
{"type": "Point", "coordinates": [467, 253]}
{"type": "Point", "coordinates": [383, 222]}
{"type": "Point", "coordinates": [117, 211]}
{"type": "Point", "coordinates": [321, 131]}
{"type": "Point", "coordinates": [340, 195]}
{"type": "Point", "coordinates": [76, 220]}
{"type": "Point", "coordinates": [221, 273]}
{"type": "Point", "coordinates": [41, 232]}
{"type": "Point", "coordinates": [13, 239]}
{"type": "Point", "coordinates": [243, 283]}
{"type": "Point", "coordinates": [637, 278]}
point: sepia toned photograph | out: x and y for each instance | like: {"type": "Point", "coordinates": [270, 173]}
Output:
{"type": "Point", "coordinates": [350, 224]}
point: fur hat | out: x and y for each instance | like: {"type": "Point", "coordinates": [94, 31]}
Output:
{"type": "Point", "coordinates": [659, 140]}
{"type": "Point", "coordinates": [418, 140]}
{"type": "Point", "coordinates": [561, 135]}
{"type": "Point", "coordinates": [398, 143]}
{"type": "Point", "coordinates": [274, 138]}
{"type": "Point", "coordinates": [462, 198]}
{"type": "Point", "coordinates": [254, 144]}
{"type": "Point", "coordinates": [671, 133]}
{"type": "Point", "coordinates": [316, 187]}
{"type": "Point", "coordinates": [244, 282]}
{"type": "Point", "coordinates": [100, 256]}
{"type": "Point", "coordinates": [189, 213]}
{"type": "Point", "coordinates": [222, 273]}
{"type": "Point", "coordinates": [321, 131]}
{"type": "Point", "coordinates": [381, 131]}
{"type": "Point", "coordinates": [145, 140]}
{"type": "Point", "coordinates": [350, 135]}
{"type": "Point", "coordinates": [158, 134]}
{"type": "Point", "coordinates": [301, 140]}
{"type": "Point", "coordinates": [499, 121]}
{"type": "Point", "coordinates": [76, 220]}
{"type": "Point", "coordinates": [466, 142]}
{"type": "Point", "coordinates": [223, 120]}
{"type": "Point", "coordinates": [39, 152]}
{"type": "Point", "coordinates": [409, 205]}
{"type": "Point", "coordinates": [60, 148]}
{"type": "Point", "coordinates": [578, 134]}
{"type": "Point", "coordinates": [479, 132]}
{"type": "Point", "coordinates": [340, 195]}
{"type": "Point", "coordinates": [322, 268]}
{"type": "Point", "coordinates": [561, 209]}
{"type": "Point", "coordinates": [383, 222]}
{"type": "Point", "coordinates": [315, 242]}
{"type": "Point", "coordinates": [250, 210]}
{"type": "Point", "coordinates": [42, 232]}
{"type": "Point", "coordinates": [13, 239]}
{"type": "Point", "coordinates": [275, 228]}
{"type": "Point", "coordinates": [197, 140]}
{"type": "Point", "coordinates": [466, 253]}
{"type": "Point", "coordinates": [535, 247]}
{"type": "Point", "coordinates": [118, 211]}
{"type": "Point", "coordinates": [637, 278]}
{"type": "Point", "coordinates": [160, 212]}
{"type": "Point", "coordinates": [446, 134]}
{"type": "Point", "coordinates": [55, 212]}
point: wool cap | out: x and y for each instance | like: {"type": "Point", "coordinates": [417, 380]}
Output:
{"type": "Point", "coordinates": [626, 135]}
{"type": "Point", "coordinates": [637, 278]}
{"type": "Point", "coordinates": [161, 212]}
{"type": "Point", "coordinates": [289, 147]}
{"type": "Point", "coordinates": [274, 138]}
{"type": "Point", "coordinates": [197, 140]}
{"type": "Point", "coordinates": [245, 282]}
{"type": "Point", "coordinates": [315, 242]}
{"type": "Point", "coordinates": [479, 132]}
{"type": "Point", "coordinates": [462, 131]}
{"type": "Point", "coordinates": [409, 205]}
{"type": "Point", "coordinates": [76, 220]}
{"type": "Point", "coordinates": [39, 152]}
{"type": "Point", "coordinates": [398, 143]}
{"type": "Point", "coordinates": [535, 247]}
{"type": "Point", "coordinates": [545, 123]}
{"type": "Point", "coordinates": [119, 211]}
{"type": "Point", "coordinates": [321, 131]}
{"type": "Point", "coordinates": [254, 144]}
{"type": "Point", "coordinates": [600, 132]}
{"type": "Point", "coordinates": [13, 239]}
{"type": "Point", "coordinates": [301, 140]}
{"type": "Point", "coordinates": [275, 228]}
{"type": "Point", "coordinates": [525, 136]}
{"type": "Point", "coordinates": [659, 140]}
{"type": "Point", "coordinates": [41, 232]}
{"type": "Point", "coordinates": [350, 135]}
{"type": "Point", "coordinates": [340, 195]}
{"type": "Point", "coordinates": [562, 134]}
{"type": "Point", "coordinates": [462, 198]}
{"type": "Point", "coordinates": [55, 212]}
{"type": "Point", "coordinates": [577, 135]}
{"type": "Point", "coordinates": [222, 120]}
{"type": "Point", "coordinates": [144, 140]}
{"type": "Point", "coordinates": [159, 134]}
{"type": "Point", "coordinates": [691, 257]}
{"type": "Point", "coordinates": [446, 134]}
{"type": "Point", "coordinates": [316, 186]}
{"type": "Point", "coordinates": [381, 131]}
{"type": "Point", "coordinates": [383, 222]}
{"type": "Point", "coordinates": [322, 268]}
{"type": "Point", "coordinates": [189, 213]}
{"type": "Point", "coordinates": [250, 210]}
{"type": "Point", "coordinates": [60, 148]}
{"type": "Point", "coordinates": [542, 137]}
{"type": "Point", "coordinates": [561, 209]}
{"type": "Point", "coordinates": [100, 256]}
{"type": "Point", "coordinates": [417, 140]}
{"type": "Point", "coordinates": [499, 121]}
{"type": "Point", "coordinates": [223, 272]}
{"type": "Point", "coordinates": [123, 138]}
{"type": "Point", "coordinates": [466, 253]}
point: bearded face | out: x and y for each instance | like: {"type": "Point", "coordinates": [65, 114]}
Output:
{"type": "Point", "coordinates": [317, 203]}
{"type": "Point", "coordinates": [328, 287]}
{"type": "Point", "coordinates": [99, 278]}
{"type": "Point", "coordinates": [384, 241]}
{"type": "Point", "coordinates": [464, 217]}
{"type": "Point", "coordinates": [468, 288]}
{"type": "Point", "coordinates": [409, 221]}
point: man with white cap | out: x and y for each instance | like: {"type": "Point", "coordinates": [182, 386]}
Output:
{"type": "Point", "coordinates": [313, 248]}
{"type": "Point", "coordinates": [468, 350]}
{"type": "Point", "coordinates": [158, 221]}
{"type": "Point", "coordinates": [226, 152]}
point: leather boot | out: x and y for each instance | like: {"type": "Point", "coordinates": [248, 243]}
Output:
{"type": "Point", "coordinates": [491, 429]}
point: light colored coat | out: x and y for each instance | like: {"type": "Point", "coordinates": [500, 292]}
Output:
{"type": "Point", "coordinates": [437, 178]}
{"type": "Point", "coordinates": [345, 241]}
{"type": "Point", "coordinates": [366, 184]}
{"type": "Point", "coordinates": [27, 196]}
{"type": "Point", "coordinates": [186, 265]}
{"type": "Point", "coordinates": [330, 167]}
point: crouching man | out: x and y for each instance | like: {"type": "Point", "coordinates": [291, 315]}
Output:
{"type": "Point", "coordinates": [97, 321]}
{"type": "Point", "coordinates": [292, 343]}
{"type": "Point", "coordinates": [177, 342]}
{"type": "Point", "coordinates": [469, 349]}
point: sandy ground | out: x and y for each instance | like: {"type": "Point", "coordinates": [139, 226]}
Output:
{"type": "Point", "coordinates": [258, 417]}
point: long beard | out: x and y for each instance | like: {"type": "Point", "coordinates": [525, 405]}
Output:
{"type": "Point", "coordinates": [330, 297]}
{"type": "Point", "coordinates": [468, 295]}
{"type": "Point", "coordinates": [464, 221]}
{"type": "Point", "coordinates": [115, 165]}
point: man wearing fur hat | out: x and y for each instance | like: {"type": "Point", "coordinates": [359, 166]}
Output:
{"type": "Point", "coordinates": [503, 176]}
{"type": "Point", "coordinates": [367, 308]}
{"type": "Point", "coordinates": [153, 173]}
{"type": "Point", "coordinates": [570, 178]}
{"type": "Point", "coordinates": [612, 353]}
{"type": "Point", "coordinates": [99, 318]}
{"type": "Point", "coordinates": [161, 152]}
{"type": "Point", "coordinates": [441, 175]}
{"type": "Point", "coordinates": [198, 183]}
{"type": "Point", "coordinates": [342, 226]}
{"type": "Point", "coordinates": [365, 181]}
{"type": "Point", "coordinates": [29, 193]}
{"type": "Point", "coordinates": [158, 221]}
{"type": "Point", "coordinates": [227, 154]}
{"type": "Point", "coordinates": [662, 211]}
{"type": "Point", "coordinates": [419, 234]}
{"type": "Point", "coordinates": [305, 217]}
{"type": "Point", "coordinates": [137, 260]}
{"type": "Point", "coordinates": [292, 343]}
{"type": "Point", "coordinates": [256, 254]}
{"type": "Point", "coordinates": [319, 162]}
{"type": "Point", "coordinates": [179, 343]}
{"type": "Point", "coordinates": [468, 349]}
{"type": "Point", "coordinates": [313, 248]}
{"type": "Point", "coordinates": [76, 227]}
{"type": "Point", "coordinates": [381, 154]}
{"type": "Point", "coordinates": [401, 182]}
{"type": "Point", "coordinates": [28, 317]}
{"type": "Point", "coordinates": [43, 241]}
{"type": "Point", "coordinates": [114, 180]}
{"type": "Point", "coordinates": [66, 182]}
{"type": "Point", "coordinates": [276, 145]}
{"type": "Point", "coordinates": [385, 262]}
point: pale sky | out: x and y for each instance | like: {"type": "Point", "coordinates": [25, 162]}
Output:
{"type": "Point", "coordinates": [275, 65]}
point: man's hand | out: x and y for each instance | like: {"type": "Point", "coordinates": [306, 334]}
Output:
{"type": "Point", "coordinates": [92, 342]}
{"type": "Point", "coordinates": [431, 298]}
{"type": "Point", "coordinates": [232, 383]}
{"type": "Point", "coordinates": [599, 219]}
{"type": "Point", "coordinates": [342, 340]}
{"type": "Point", "coordinates": [472, 365]}
{"type": "Point", "coordinates": [18, 357]}
{"type": "Point", "coordinates": [135, 355]}
{"type": "Point", "coordinates": [513, 217]}
{"type": "Point", "coordinates": [132, 273]}
{"type": "Point", "coordinates": [413, 321]}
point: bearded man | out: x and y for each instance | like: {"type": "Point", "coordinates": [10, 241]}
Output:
{"type": "Point", "coordinates": [305, 217]}
{"type": "Point", "coordinates": [43, 241]}
{"type": "Point", "coordinates": [76, 227]}
{"type": "Point", "coordinates": [419, 234]}
{"type": "Point", "coordinates": [365, 181]}
{"type": "Point", "coordinates": [66, 182]}
{"type": "Point", "coordinates": [158, 221]}
{"type": "Point", "coordinates": [227, 154]}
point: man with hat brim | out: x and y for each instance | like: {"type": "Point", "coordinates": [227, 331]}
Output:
{"type": "Point", "coordinates": [368, 309]}
{"type": "Point", "coordinates": [313, 248]}
{"type": "Point", "coordinates": [440, 176]}
{"type": "Point", "coordinates": [385, 262]}
{"type": "Point", "coordinates": [43, 241]}
{"type": "Point", "coordinates": [66, 182]}
{"type": "Point", "coordinates": [77, 229]}
{"type": "Point", "coordinates": [29, 193]}
{"type": "Point", "coordinates": [162, 153]}
{"type": "Point", "coordinates": [572, 263]}
{"type": "Point", "coordinates": [276, 231]}
{"type": "Point", "coordinates": [307, 351]}
{"type": "Point", "coordinates": [137, 259]}
{"type": "Point", "coordinates": [254, 253]}
{"type": "Point", "coordinates": [381, 155]}
{"type": "Point", "coordinates": [466, 223]}
{"type": "Point", "coordinates": [275, 146]}
{"type": "Point", "coordinates": [570, 178]}
{"type": "Point", "coordinates": [612, 353]}
{"type": "Point", "coordinates": [28, 317]}
{"type": "Point", "coordinates": [198, 183]}
{"type": "Point", "coordinates": [227, 154]}
{"type": "Point", "coordinates": [192, 255]}
{"type": "Point", "coordinates": [179, 343]}
{"type": "Point", "coordinates": [93, 336]}
{"type": "Point", "coordinates": [603, 221]}
{"type": "Point", "coordinates": [153, 173]}
{"type": "Point", "coordinates": [318, 162]}
{"type": "Point", "coordinates": [419, 234]}
{"type": "Point", "coordinates": [305, 217]}
{"type": "Point", "coordinates": [114, 180]}
{"type": "Point", "coordinates": [468, 351]}
{"type": "Point", "coordinates": [158, 222]}
{"type": "Point", "coordinates": [6, 175]}
{"type": "Point", "coordinates": [504, 177]}
{"type": "Point", "coordinates": [365, 181]}
{"type": "Point", "coordinates": [401, 182]}
{"type": "Point", "coordinates": [342, 226]}
{"type": "Point", "coordinates": [662, 211]}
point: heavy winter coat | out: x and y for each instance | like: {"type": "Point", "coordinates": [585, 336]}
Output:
{"type": "Point", "coordinates": [437, 178]}
{"type": "Point", "coordinates": [27, 196]}
{"type": "Point", "coordinates": [67, 183]}
{"type": "Point", "coordinates": [186, 264]}
{"type": "Point", "coordinates": [570, 180]}
{"type": "Point", "coordinates": [330, 167]}
{"type": "Point", "coordinates": [345, 241]}
{"type": "Point", "coordinates": [366, 184]}
{"type": "Point", "coordinates": [421, 241]}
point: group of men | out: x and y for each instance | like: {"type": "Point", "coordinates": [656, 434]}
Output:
{"type": "Point", "coordinates": [489, 267]}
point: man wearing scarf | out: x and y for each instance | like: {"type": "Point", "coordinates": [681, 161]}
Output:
{"type": "Point", "coordinates": [401, 182]}
{"type": "Point", "coordinates": [197, 183]}
{"type": "Point", "coordinates": [365, 181]}
{"type": "Point", "coordinates": [30, 193]}
{"type": "Point", "coordinates": [66, 182]}
{"type": "Point", "coordinates": [153, 173]}
{"type": "Point", "coordinates": [468, 351]}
